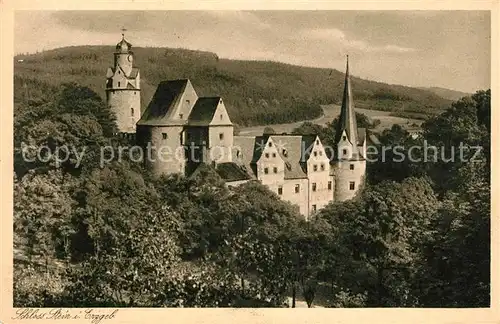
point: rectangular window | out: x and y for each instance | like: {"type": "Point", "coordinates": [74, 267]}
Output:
{"type": "Point", "coordinates": [322, 167]}
{"type": "Point", "coordinates": [275, 170]}
{"type": "Point", "coordinates": [267, 155]}
{"type": "Point", "coordinates": [315, 153]}
{"type": "Point", "coordinates": [297, 188]}
{"type": "Point", "coordinates": [221, 136]}
{"type": "Point", "coordinates": [351, 166]}
{"type": "Point", "coordinates": [118, 83]}
{"type": "Point", "coordinates": [164, 136]}
{"type": "Point", "coordinates": [329, 185]}
{"type": "Point", "coordinates": [221, 117]}
{"type": "Point", "coordinates": [180, 116]}
{"type": "Point", "coordinates": [344, 151]}
{"type": "Point", "coordinates": [274, 154]}
{"type": "Point", "coordinates": [314, 208]}
{"type": "Point", "coordinates": [344, 138]}
{"type": "Point", "coordinates": [266, 170]}
{"type": "Point", "coordinates": [280, 190]}
{"type": "Point", "coordinates": [315, 167]}
{"type": "Point", "coordinates": [352, 185]}
{"type": "Point", "coordinates": [314, 186]}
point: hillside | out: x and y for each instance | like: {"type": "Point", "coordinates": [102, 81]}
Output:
{"type": "Point", "coordinates": [447, 93]}
{"type": "Point", "coordinates": [255, 92]}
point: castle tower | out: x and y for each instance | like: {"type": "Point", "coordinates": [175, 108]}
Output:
{"type": "Point", "coordinates": [349, 162]}
{"type": "Point", "coordinates": [123, 91]}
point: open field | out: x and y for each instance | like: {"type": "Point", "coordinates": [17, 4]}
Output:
{"type": "Point", "coordinates": [329, 113]}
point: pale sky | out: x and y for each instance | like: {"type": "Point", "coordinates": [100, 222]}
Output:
{"type": "Point", "coordinates": [448, 49]}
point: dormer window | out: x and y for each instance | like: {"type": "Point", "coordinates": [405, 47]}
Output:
{"type": "Point", "coordinates": [270, 144]}
{"type": "Point", "coordinates": [317, 142]}
{"type": "Point", "coordinates": [221, 117]}
{"type": "Point", "coordinates": [344, 138]}
{"type": "Point", "coordinates": [344, 151]}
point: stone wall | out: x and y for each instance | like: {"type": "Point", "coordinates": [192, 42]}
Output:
{"type": "Point", "coordinates": [126, 105]}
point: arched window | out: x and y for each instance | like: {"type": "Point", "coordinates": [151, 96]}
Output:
{"type": "Point", "coordinates": [118, 83]}
{"type": "Point", "coordinates": [131, 111]}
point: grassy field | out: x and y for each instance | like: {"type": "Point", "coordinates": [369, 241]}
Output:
{"type": "Point", "coordinates": [332, 111]}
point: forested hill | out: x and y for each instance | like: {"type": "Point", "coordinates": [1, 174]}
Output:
{"type": "Point", "coordinates": [448, 93]}
{"type": "Point", "coordinates": [256, 92]}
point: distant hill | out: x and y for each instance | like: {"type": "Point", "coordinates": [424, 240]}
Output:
{"type": "Point", "coordinates": [255, 92]}
{"type": "Point", "coordinates": [447, 93]}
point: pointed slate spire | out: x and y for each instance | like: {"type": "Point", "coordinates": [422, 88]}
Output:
{"type": "Point", "coordinates": [347, 119]}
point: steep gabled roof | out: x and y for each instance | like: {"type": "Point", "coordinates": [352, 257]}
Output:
{"type": "Point", "coordinates": [230, 171]}
{"type": "Point", "coordinates": [307, 141]}
{"type": "Point", "coordinates": [247, 151]}
{"type": "Point", "coordinates": [203, 111]}
{"type": "Point", "coordinates": [290, 150]}
{"type": "Point", "coordinates": [166, 97]}
{"type": "Point", "coordinates": [133, 73]}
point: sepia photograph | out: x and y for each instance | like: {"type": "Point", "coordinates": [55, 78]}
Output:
{"type": "Point", "coordinates": [251, 159]}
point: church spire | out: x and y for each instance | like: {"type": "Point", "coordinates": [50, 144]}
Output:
{"type": "Point", "coordinates": [347, 121]}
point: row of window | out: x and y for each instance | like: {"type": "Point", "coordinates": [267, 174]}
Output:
{"type": "Point", "coordinates": [266, 170]}
{"type": "Point", "coordinates": [352, 186]}
{"type": "Point", "coordinates": [165, 136]}
{"type": "Point", "coordinates": [318, 152]}
{"type": "Point", "coordinates": [322, 166]}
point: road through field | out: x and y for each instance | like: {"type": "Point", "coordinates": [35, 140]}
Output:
{"type": "Point", "coordinates": [329, 113]}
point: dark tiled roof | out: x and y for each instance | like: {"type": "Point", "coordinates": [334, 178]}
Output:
{"type": "Point", "coordinates": [133, 73]}
{"type": "Point", "coordinates": [232, 172]}
{"type": "Point", "coordinates": [167, 95]}
{"type": "Point", "coordinates": [203, 111]}
{"type": "Point", "coordinates": [361, 135]}
{"type": "Point", "coordinates": [290, 150]}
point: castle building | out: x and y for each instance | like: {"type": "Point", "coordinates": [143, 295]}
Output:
{"type": "Point", "coordinates": [123, 89]}
{"type": "Point", "coordinates": [181, 131]}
